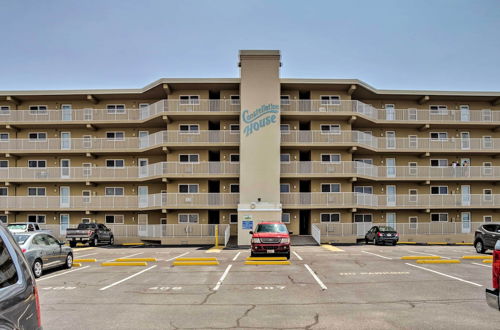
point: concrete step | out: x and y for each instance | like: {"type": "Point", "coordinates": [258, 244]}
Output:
{"type": "Point", "coordinates": [303, 240]}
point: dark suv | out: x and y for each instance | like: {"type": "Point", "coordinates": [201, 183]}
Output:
{"type": "Point", "coordinates": [486, 237]}
{"type": "Point", "coordinates": [19, 304]}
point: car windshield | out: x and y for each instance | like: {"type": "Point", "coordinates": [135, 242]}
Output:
{"type": "Point", "coordinates": [14, 226]}
{"type": "Point", "coordinates": [271, 228]}
{"type": "Point", "coordinates": [21, 239]}
{"type": "Point", "coordinates": [386, 228]}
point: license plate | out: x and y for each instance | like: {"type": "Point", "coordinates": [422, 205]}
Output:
{"type": "Point", "coordinates": [270, 251]}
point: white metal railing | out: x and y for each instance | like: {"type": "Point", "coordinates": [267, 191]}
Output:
{"type": "Point", "coordinates": [316, 233]}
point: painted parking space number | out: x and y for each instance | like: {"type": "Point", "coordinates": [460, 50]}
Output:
{"type": "Point", "coordinates": [277, 287]}
{"type": "Point", "coordinates": [59, 288]}
{"type": "Point", "coordinates": [166, 288]}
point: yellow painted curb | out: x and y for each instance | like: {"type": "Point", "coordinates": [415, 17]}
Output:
{"type": "Point", "coordinates": [195, 263]}
{"type": "Point", "coordinates": [114, 263]}
{"type": "Point", "coordinates": [266, 259]}
{"type": "Point", "coordinates": [132, 243]}
{"type": "Point", "coordinates": [331, 248]}
{"type": "Point", "coordinates": [448, 261]}
{"type": "Point", "coordinates": [75, 264]}
{"type": "Point", "coordinates": [84, 260]}
{"type": "Point", "coordinates": [407, 242]}
{"type": "Point", "coordinates": [488, 261]}
{"type": "Point", "coordinates": [420, 257]}
{"type": "Point", "coordinates": [437, 243]}
{"type": "Point", "coordinates": [134, 259]}
{"type": "Point", "coordinates": [463, 244]}
{"type": "Point", "coordinates": [256, 262]}
{"type": "Point", "coordinates": [197, 259]}
{"type": "Point", "coordinates": [477, 257]}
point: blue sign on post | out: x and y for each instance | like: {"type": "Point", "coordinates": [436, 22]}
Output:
{"type": "Point", "coordinates": [247, 224]}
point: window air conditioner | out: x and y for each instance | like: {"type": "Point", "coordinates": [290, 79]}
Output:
{"type": "Point", "coordinates": [42, 175]}
{"type": "Point", "coordinates": [188, 200]}
{"type": "Point", "coordinates": [322, 109]}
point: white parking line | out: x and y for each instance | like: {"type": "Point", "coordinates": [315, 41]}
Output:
{"type": "Point", "coordinates": [475, 263]}
{"type": "Point", "coordinates": [127, 278]}
{"type": "Point", "coordinates": [85, 255]}
{"type": "Point", "coordinates": [427, 254]}
{"type": "Point", "coordinates": [217, 286]}
{"type": "Point", "coordinates": [300, 258]}
{"type": "Point", "coordinates": [321, 284]}
{"type": "Point", "coordinates": [125, 256]}
{"type": "Point", "coordinates": [377, 255]}
{"type": "Point", "coordinates": [236, 256]}
{"type": "Point", "coordinates": [442, 274]}
{"type": "Point", "coordinates": [69, 271]}
{"type": "Point", "coordinates": [177, 256]}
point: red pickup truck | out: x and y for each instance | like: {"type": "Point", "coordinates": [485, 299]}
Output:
{"type": "Point", "coordinates": [492, 296]}
{"type": "Point", "coordinates": [270, 238]}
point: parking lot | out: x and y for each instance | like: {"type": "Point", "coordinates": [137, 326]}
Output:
{"type": "Point", "coordinates": [344, 287]}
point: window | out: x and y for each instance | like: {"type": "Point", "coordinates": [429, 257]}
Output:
{"type": "Point", "coordinates": [234, 128]}
{"type": "Point", "coordinates": [439, 162]}
{"type": "Point", "coordinates": [8, 271]}
{"type": "Point", "coordinates": [37, 163]}
{"type": "Point", "coordinates": [86, 196]}
{"type": "Point", "coordinates": [487, 142]}
{"type": "Point", "coordinates": [234, 188]}
{"type": "Point", "coordinates": [285, 99]}
{"type": "Point", "coordinates": [87, 141]}
{"type": "Point", "coordinates": [38, 109]}
{"type": "Point", "coordinates": [115, 163]}
{"type": "Point", "coordinates": [87, 169]}
{"type": "Point", "coordinates": [233, 218]}
{"type": "Point", "coordinates": [330, 158]}
{"type": "Point", "coordinates": [439, 190]}
{"type": "Point", "coordinates": [285, 217]}
{"type": "Point", "coordinates": [36, 191]}
{"type": "Point", "coordinates": [412, 195]}
{"type": "Point", "coordinates": [114, 218]}
{"type": "Point", "coordinates": [487, 168]}
{"type": "Point", "coordinates": [284, 187]}
{"type": "Point", "coordinates": [4, 110]}
{"type": "Point", "coordinates": [330, 99]}
{"type": "Point", "coordinates": [235, 99]}
{"type": "Point", "coordinates": [412, 141]}
{"type": "Point", "coordinates": [189, 99]}
{"type": "Point", "coordinates": [413, 222]}
{"type": "Point", "coordinates": [115, 108]}
{"type": "Point", "coordinates": [189, 158]}
{"type": "Point", "coordinates": [285, 158]}
{"type": "Point", "coordinates": [330, 187]}
{"type": "Point", "coordinates": [4, 191]}
{"type": "Point", "coordinates": [36, 218]}
{"type": "Point", "coordinates": [359, 217]}
{"type": "Point", "coordinates": [363, 189]}
{"type": "Point", "coordinates": [234, 158]}
{"type": "Point", "coordinates": [114, 191]}
{"type": "Point", "coordinates": [37, 136]}
{"type": "Point", "coordinates": [119, 136]}
{"type": "Point", "coordinates": [330, 217]}
{"type": "Point", "coordinates": [412, 168]}
{"type": "Point", "coordinates": [4, 218]}
{"type": "Point", "coordinates": [4, 163]}
{"type": "Point", "coordinates": [441, 217]}
{"type": "Point", "coordinates": [188, 218]}
{"type": "Point", "coordinates": [487, 195]}
{"type": "Point", "coordinates": [439, 136]}
{"type": "Point", "coordinates": [188, 188]}
{"type": "Point", "coordinates": [330, 129]}
{"type": "Point", "coordinates": [438, 109]}
{"type": "Point", "coordinates": [4, 136]}
{"type": "Point", "coordinates": [189, 129]}
{"type": "Point", "coordinates": [285, 128]}
{"type": "Point", "coordinates": [487, 218]}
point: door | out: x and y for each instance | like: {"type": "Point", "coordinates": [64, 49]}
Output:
{"type": "Point", "coordinates": [390, 219]}
{"type": "Point", "coordinates": [163, 222]}
{"type": "Point", "coordinates": [390, 167]}
{"type": "Point", "coordinates": [67, 112]}
{"type": "Point", "coordinates": [143, 139]}
{"type": "Point", "coordinates": [142, 222]}
{"type": "Point", "coordinates": [143, 196]}
{"type": "Point", "coordinates": [389, 112]}
{"type": "Point", "coordinates": [40, 243]}
{"type": "Point", "coordinates": [65, 168]}
{"type": "Point", "coordinates": [63, 223]}
{"type": "Point", "coordinates": [465, 216]}
{"type": "Point", "coordinates": [465, 140]}
{"type": "Point", "coordinates": [464, 113]}
{"type": "Point", "coordinates": [65, 140]}
{"type": "Point", "coordinates": [144, 110]}
{"type": "Point", "coordinates": [390, 139]}
{"type": "Point", "coordinates": [305, 222]}
{"type": "Point", "coordinates": [54, 250]}
{"type": "Point", "coordinates": [465, 190]}
{"type": "Point", "coordinates": [64, 197]}
{"type": "Point", "coordinates": [391, 195]}
{"type": "Point", "coordinates": [143, 167]}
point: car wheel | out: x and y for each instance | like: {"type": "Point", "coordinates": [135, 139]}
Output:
{"type": "Point", "coordinates": [69, 261]}
{"type": "Point", "coordinates": [366, 240]}
{"type": "Point", "coordinates": [288, 255]}
{"type": "Point", "coordinates": [37, 268]}
{"type": "Point", "coordinates": [252, 254]}
{"type": "Point", "coordinates": [375, 241]}
{"type": "Point", "coordinates": [479, 246]}
{"type": "Point", "coordinates": [111, 240]}
{"type": "Point", "coordinates": [72, 244]}
{"type": "Point", "coordinates": [394, 243]}
{"type": "Point", "coordinates": [94, 241]}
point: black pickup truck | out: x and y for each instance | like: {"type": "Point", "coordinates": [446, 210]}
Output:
{"type": "Point", "coordinates": [91, 233]}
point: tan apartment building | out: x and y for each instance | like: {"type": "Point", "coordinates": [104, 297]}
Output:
{"type": "Point", "coordinates": [329, 158]}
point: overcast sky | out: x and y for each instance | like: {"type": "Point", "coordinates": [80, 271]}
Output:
{"type": "Point", "coordinates": [80, 44]}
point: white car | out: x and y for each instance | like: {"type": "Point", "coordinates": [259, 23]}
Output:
{"type": "Point", "coordinates": [24, 227]}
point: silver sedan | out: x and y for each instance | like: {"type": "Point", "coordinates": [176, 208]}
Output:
{"type": "Point", "coordinates": [43, 251]}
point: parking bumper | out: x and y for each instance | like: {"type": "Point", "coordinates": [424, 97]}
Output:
{"type": "Point", "coordinates": [492, 298]}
